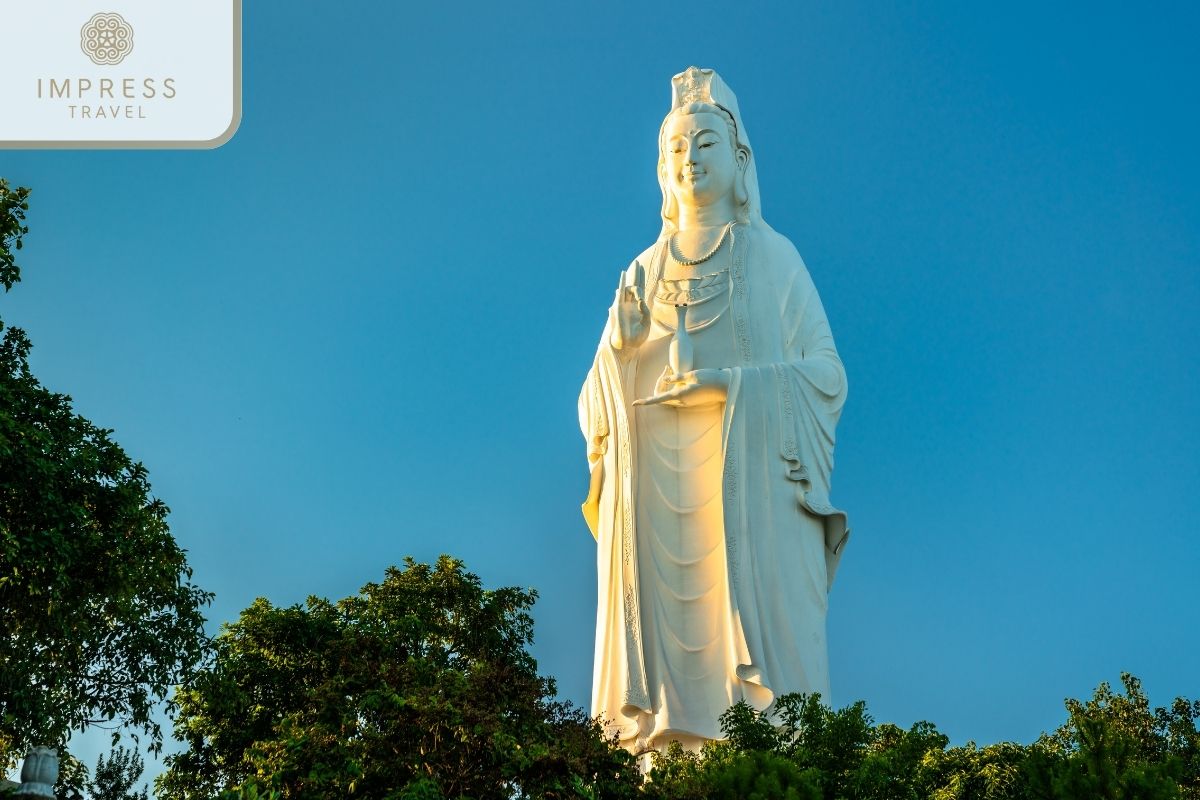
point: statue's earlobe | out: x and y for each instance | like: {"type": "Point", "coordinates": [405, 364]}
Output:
{"type": "Point", "coordinates": [670, 209]}
{"type": "Point", "coordinates": [739, 188]}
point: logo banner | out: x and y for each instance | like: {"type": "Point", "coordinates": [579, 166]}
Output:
{"type": "Point", "coordinates": [121, 73]}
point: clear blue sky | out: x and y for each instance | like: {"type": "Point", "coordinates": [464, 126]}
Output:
{"type": "Point", "coordinates": [357, 331]}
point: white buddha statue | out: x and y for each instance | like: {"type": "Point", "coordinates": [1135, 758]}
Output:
{"type": "Point", "coordinates": [709, 414]}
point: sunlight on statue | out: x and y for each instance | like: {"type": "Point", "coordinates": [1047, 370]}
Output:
{"type": "Point", "coordinates": [709, 414]}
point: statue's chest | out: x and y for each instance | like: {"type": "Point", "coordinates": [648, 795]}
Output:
{"type": "Point", "coordinates": [703, 299]}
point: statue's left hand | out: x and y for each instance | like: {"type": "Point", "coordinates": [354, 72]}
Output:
{"type": "Point", "coordinates": [700, 387]}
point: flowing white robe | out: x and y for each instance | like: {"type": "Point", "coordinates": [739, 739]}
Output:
{"type": "Point", "coordinates": [782, 539]}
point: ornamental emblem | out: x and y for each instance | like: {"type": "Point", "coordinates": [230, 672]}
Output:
{"type": "Point", "coordinates": [106, 38]}
{"type": "Point", "coordinates": [696, 86]}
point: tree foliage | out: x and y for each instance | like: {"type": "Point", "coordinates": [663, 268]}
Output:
{"type": "Point", "coordinates": [116, 776]}
{"type": "Point", "coordinates": [100, 617]}
{"type": "Point", "coordinates": [420, 686]}
{"type": "Point", "coordinates": [13, 205]}
{"type": "Point", "coordinates": [995, 772]}
{"type": "Point", "coordinates": [727, 771]}
{"type": "Point", "coordinates": [1115, 747]}
{"type": "Point", "coordinates": [1112, 747]}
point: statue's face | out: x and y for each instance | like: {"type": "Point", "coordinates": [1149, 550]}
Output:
{"type": "Point", "coordinates": [699, 158]}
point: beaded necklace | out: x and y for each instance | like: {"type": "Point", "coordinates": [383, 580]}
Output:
{"type": "Point", "coordinates": [691, 262]}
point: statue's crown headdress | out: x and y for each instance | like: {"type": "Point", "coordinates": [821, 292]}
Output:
{"type": "Point", "coordinates": [693, 85]}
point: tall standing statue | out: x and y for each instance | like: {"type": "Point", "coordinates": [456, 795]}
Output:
{"type": "Point", "coordinates": [709, 415]}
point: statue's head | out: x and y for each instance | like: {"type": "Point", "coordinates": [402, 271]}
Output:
{"type": "Point", "coordinates": [703, 157]}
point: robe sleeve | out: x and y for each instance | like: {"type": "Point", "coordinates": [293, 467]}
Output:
{"type": "Point", "coordinates": [595, 403]}
{"type": "Point", "coordinates": [812, 384]}
{"type": "Point", "coordinates": [592, 419]}
{"type": "Point", "coordinates": [810, 388]}
{"type": "Point", "coordinates": [601, 402]}
{"type": "Point", "coordinates": [593, 422]}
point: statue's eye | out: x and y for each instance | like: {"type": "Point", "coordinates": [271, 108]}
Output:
{"type": "Point", "coordinates": [707, 144]}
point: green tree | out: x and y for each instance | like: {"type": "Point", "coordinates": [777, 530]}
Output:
{"type": "Point", "coordinates": [995, 772]}
{"type": "Point", "coordinates": [100, 617]}
{"type": "Point", "coordinates": [894, 766]}
{"type": "Point", "coordinates": [115, 777]}
{"type": "Point", "coordinates": [833, 743]}
{"type": "Point", "coordinates": [1180, 737]}
{"type": "Point", "coordinates": [761, 776]}
{"type": "Point", "coordinates": [724, 772]}
{"type": "Point", "coordinates": [418, 687]}
{"type": "Point", "coordinates": [830, 745]}
{"type": "Point", "coordinates": [803, 748]}
{"type": "Point", "coordinates": [13, 205]}
{"type": "Point", "coordinates": [1115, 747]}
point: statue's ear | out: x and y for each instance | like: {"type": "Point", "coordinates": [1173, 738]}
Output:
{"type": "Point", "coordinates": [739, 186]}
{"type": "Point", "coordinates": [670, 209]}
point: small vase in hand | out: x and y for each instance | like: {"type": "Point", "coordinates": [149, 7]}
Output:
{"type": "Point", "coordinates": [680, 354]}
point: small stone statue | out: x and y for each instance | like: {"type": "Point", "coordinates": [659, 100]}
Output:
{"type": "Point", "coordinates": [39, 773]}
{"type": "Point", "coordinates": [709, 414]}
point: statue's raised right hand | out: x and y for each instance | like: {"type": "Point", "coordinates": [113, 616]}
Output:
{"type": "Point", "coordinates": [629, 314]}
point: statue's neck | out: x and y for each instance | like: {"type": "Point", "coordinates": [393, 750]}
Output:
{"type": "Point", "coordinates": [714, 215]}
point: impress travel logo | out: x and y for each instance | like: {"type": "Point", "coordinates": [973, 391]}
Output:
{"type": "Point", "coordinates": [106, 39]}
{"type": "Point", "coordinates": [78, 80]}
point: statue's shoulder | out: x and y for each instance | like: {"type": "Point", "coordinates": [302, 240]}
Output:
{"type": "Point", "coordinates": [775, 255]}
{"type": "Point", "coordinates": [645, 257]}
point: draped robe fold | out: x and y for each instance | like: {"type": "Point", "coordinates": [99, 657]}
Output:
{"type": "Point", "coordinates": [782, 538]}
